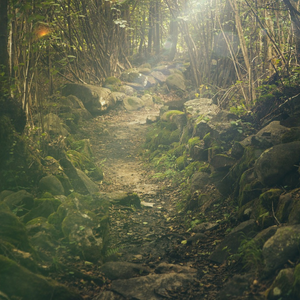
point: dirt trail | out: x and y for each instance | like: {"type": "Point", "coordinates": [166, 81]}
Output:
{"type": "Point", "coordinates": [133, 233]}
{"type": "Point", "coordinates": [154, 233]}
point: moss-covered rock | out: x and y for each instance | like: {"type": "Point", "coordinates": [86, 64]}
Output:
{"type": "Point", "coordinates": [112, 83]}
{"type": "Point", "coordinates": [145, 65]}
{"type": "Point", "coordinates": [168, 115]}
{"type": "Point", "coordinates": [281, 247]}
{"type": "Point", "coordinates": [4, 194]}
{"type": "Point", "coordinates": [282, 286]}
{"type": "Point", "coordinates": [275, 163]}
{"type": "Point", "coordinates": [84, 163]}
{"type": "Point", "coordinates": [270, 198]}
{"type": "Point", "coordinates": [133, 103]}
{"type": "Point", "coordinates": [296, 284]}
{"type": "Point", "coordinates": [250, 188]}
{"type": "Point", "coordinates": [57, 217]}
{"type": "Point", "coordinates": [19, 202]}
{"type": "Point", "coordinates": [13, 231]}
{"type": "Point", "coordinates": [18, 282]}
{"type": "Point", "coordinates": [85, 230]}
{"type": "Point", "coordinates": [221, 162]}
{"type": "Point", "coordinates": [148, 100]}
{"type": "Point", "coordinates": [292, 135]}
{"type": "Point", "coordinates": [181, 162]}
{"type": "Point", "coordinates": [175, 82]}
{"type": "Point", "coordinates": [43, 207]}
{"type": "Point", "coordinates": [40, 224]}
{"type": "Point", "coordinates": [197, 149]}
{"type": "Point", "coordinates": [52, 185]}
{"type": "Point", "coordinates": [178, 149]}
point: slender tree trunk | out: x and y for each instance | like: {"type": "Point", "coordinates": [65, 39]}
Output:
{"type": "Point", "coordinates": [4, 84]}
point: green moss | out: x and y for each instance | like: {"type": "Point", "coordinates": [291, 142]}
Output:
{"type": "Point", "coordinates": [175, 136]}
{"type": "Point", "coordinates": [193, 167]}
{"type": "Point", "coordinates": [207, 139]}
{"type": "Point", "coordinates": [177, 151]}
{"type": "Point", "coordinates": [205, 167]}
{"type": "Point", "coordinates": [296, 285]}
{"type": "Point", "coordinates": [84, 147]}
{"type": "Point", "coordinates": [169, 114]}
{"type": "Point", "coordinates": [82, 162]}
{"type": "Point", "coordinates": [249, 192]}
{"type": "Point", "coordinates": [181, 162]}
{"type": "Point", "coordinates": [270, 198]}
{"type": "Point", "coordinates": [42, 208]}
{"type": "Point", "coordinates": [185, 135]}
{"type": "Point", "coordinates": [262, 215]}
{"type": "Point", "coordinates": [112, 80]}
{"type": "Point", "coordinates": [145, 66]}
{"type": "Point", "coordinates": [112, 83]}
{"type": "Point", "coordinates": [193, 141]}
{"type": "Point", "coordinates": [57, 217]}
{"type": "Point", "coordinates": [133, 76]}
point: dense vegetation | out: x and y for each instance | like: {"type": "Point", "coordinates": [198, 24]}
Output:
{"type": "Point", "coordinates": [225, 75]}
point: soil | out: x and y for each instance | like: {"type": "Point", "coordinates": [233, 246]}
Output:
{"type": "Point", "coordinates": [157, 232]}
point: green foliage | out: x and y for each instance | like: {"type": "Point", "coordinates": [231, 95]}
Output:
{"type": "Point", "coordinates": [251, 255]}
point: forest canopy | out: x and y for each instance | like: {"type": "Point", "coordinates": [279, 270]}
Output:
{"type": "Point", "coordinates": [230, 47]}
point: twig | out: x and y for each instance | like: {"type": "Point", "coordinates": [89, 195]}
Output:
{"type": "Point", "coordinates": [278, 223]}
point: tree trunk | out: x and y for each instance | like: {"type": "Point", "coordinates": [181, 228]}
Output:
{"type": "Point", "coordinates": [4, 85]}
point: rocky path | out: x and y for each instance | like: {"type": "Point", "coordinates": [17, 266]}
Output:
{"type": "Point", "coordinates": [150, 254]}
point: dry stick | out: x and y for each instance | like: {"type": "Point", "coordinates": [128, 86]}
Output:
{"type": "Point", "coordinates": [233, 59]}
{"type": "Point", "coordinates": [278, 223]}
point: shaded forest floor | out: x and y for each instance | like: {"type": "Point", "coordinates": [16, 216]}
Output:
{"type": "Point", "coordinates": [157, 231]}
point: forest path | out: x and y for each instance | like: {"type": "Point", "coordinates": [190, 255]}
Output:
{"type": "Point", "coordinates": [153, 234]}
{"type": "Point", "coordinates": [118, 152]}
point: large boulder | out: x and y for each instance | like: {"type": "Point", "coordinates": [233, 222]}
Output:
{"type": "Point", "coordinates": [203, 107]}
{"type": "Point", "coordinates": [80, 181]}
{"type": "Point", "coordinates": [284, 245]}
{"type": "Point", "coordinates": [175, 82]}
{"type": "Point", "coordinates": [133, 103]}
{"type": "Point", "coordinates": [233, 240]}
{"type": "Point", "coordinates": [95, 99]}
{"type": "Point", "coordinates": [271, 134]}
{"type": "Point", "coordinates": [275, 163]}
{"type": "Point", "coordinates": [282, 286]}
{"type": "Point", "coordinates": [19, 283]}
{"type": "Point", "coordinates": [51, 184]}
{"type": "Point", "coordinates": [78, 109]}
{"type": "Point", "coordinates": [19, 202]}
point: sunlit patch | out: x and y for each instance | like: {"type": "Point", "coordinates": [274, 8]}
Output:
{"type": "Point", "coordinates": [42, 31]}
